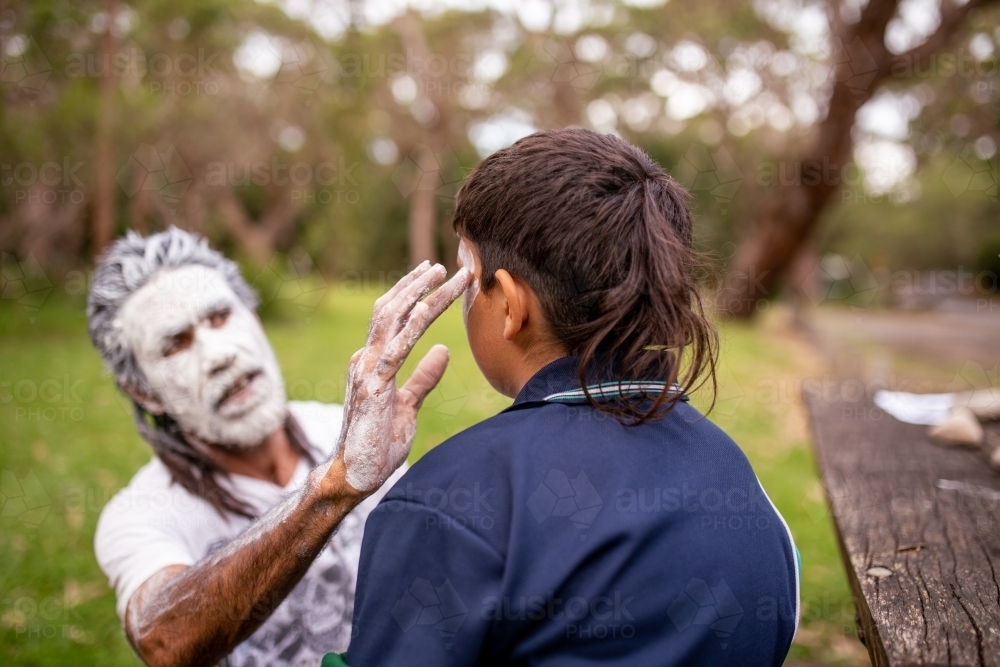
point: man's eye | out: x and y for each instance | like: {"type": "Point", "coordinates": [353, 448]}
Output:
{"type": "Point", "coordinates": [178, 342]}
{"type": "Point", "coordinates": [218, 318]}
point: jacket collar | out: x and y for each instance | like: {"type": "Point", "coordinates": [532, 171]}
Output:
{"type": "Point", "coordinates": [556, 376]}
{"type": "Point", "coordinates": [559, 382]}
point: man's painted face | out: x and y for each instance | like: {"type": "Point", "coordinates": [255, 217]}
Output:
{"type": "Point", "coordinates": [206, 357]}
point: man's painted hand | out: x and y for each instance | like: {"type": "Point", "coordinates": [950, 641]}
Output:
{"type": "Point", "coordinates": [380, 419]}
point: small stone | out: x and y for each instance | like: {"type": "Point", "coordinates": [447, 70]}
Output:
{"type": "Point", "coordinates": [879, 572]}
{"type": "Point", "coordinates": [984, 403]}
{"type": "Point", "coordinates": [962, 427]}
{"type": "Point", "coordinates": [995, 459]}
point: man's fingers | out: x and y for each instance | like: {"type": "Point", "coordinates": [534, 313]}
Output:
{"type": "Point", "coordinates": [402, 283]}
{"type": "Point", "coordinates": [385, 314]}
{"type": "Point", "coordinates": [421, 317]}
{"type": "Point", "coordinates": [447, 293]}
{"type": "Point", "coordinates": [392, 316]}
{"type": "Point", "coordinates": [426, 376]}
{"type": "Point", "coordinates": [380, 318]}
{"type": "Point", "coordinates": [399, 347]}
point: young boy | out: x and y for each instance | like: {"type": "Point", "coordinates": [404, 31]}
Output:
{"type": "Point", "coordinates": [600, 518]}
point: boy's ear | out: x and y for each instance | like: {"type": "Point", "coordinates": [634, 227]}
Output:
{"type": "Point", "coordinates": [516, 303]}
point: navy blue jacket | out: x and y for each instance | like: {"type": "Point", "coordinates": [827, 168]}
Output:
{"type": "Point", "coordinates": [550, 534]}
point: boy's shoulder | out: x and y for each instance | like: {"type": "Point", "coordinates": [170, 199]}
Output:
{"type": "Point", "coordinates": [515, 443]}
{"type": "Point", "coordinates": [479, 470]}
{"type": "Point", "coordinates": [504, 436]}
{"type": "Point", "coordinates": [480, 449]}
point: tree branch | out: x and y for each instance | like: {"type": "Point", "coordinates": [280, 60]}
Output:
{"type": "Point", "coordinates": [952, 16]}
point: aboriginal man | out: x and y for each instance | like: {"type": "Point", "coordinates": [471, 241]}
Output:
{"type": "Point", "coordinates": [239, 541]}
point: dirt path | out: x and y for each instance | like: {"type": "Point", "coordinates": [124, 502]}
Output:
{"type": "Point", "coordinates": [950, 347]}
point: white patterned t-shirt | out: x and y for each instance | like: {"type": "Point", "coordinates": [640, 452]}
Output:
{"type": "Point", "coordinates": [153, 523]}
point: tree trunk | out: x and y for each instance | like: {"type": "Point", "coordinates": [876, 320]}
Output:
{"type": "Point", "coordinates": [421, 226]}
{"type": "Point", "coordinates": [790, 212]}
{"type": "Point", "coordinates": [104, 180]}
{"type": "Point", "coordinates": [258, 240]}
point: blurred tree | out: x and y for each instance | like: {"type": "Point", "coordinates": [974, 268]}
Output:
{"type": "Point", "coordinates": [104, 194]}
{"type": "Point", "coordinates": [862, 60]}
{"type": "Point", "coordinates": [343, 128]}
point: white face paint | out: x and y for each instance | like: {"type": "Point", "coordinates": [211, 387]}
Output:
{"type": "Point", "coordinates": [468, 260]}
{"type": "Point", "coordinates": [205, 356]}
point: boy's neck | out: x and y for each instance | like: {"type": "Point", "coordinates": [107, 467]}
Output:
{"type": "Point", "coordinates": [529, 366]}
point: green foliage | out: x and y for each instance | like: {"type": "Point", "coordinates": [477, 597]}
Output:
{"type": "Point", "coordinates": [339, 93]}
{"type": "Point", "coordinates": [946, 227]}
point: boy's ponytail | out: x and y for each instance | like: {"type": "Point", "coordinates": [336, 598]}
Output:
{"type": "Point", "coordinates": [651, 324]}
{"type": "Point", "coordinates": [604, 238]}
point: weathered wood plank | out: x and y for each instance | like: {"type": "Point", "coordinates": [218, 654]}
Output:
{"type": "Point", "coordinates": [928, 515]}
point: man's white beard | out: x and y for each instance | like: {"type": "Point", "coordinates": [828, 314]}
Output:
{"type": "Point", "coordinates": [251, 428]}
{"type": "Point", "coordinates": [246, 431]}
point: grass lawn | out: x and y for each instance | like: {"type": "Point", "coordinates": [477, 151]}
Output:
{"type": "Point", "coordinates": [67, 444]}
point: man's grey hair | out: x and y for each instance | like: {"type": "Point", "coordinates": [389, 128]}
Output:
{"type": "Point", "coordinates": [127, 265]}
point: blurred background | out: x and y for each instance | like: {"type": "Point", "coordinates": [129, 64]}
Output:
{"type": "Point", "coordinates": [842, 157]}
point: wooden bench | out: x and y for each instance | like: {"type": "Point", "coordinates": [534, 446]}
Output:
{"type": "Point", "coordinates": [919, 532]}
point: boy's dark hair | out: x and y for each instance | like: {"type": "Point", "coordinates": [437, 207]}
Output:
{"type": "Point", "coordinates": [603, 237]}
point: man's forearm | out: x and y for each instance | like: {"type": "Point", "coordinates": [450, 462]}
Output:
{"type": "Point", "coordinates": [200, 614]}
